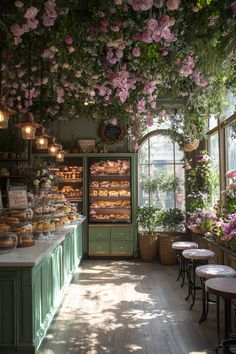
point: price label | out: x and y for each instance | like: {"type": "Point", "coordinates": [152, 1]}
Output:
{"type": "Point", "coordinates": [17, 199]}
{"type": "Point", "coordinates": [1, 206]}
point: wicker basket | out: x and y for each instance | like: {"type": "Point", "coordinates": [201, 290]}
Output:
{"type": "Point", "coordinates": [193, 145]}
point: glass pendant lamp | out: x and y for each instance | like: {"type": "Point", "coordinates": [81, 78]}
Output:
{"type": "Point", "coordinates": [53, 147]}
{"type": "Point", "coordinates": [42, 139]}
{"type": "Point", "coordinates": [28, 127]}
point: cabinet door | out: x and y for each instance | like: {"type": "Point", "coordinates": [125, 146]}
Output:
{"type": "Point", "coordinates": [121, 233]}
{"type": "Point", "coordinates": [100, 233]}
{"type": "Point", "coordinates": [121, 247]}
{"type": "Point", "coordinates": [8, 308]}
{"type": "Point", "coordinates": [46, 287]}
{"type": "Point", "coordinates": [99, 248]}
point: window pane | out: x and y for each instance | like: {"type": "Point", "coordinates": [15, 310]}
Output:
{"type": "Point", "coordinates": [161, 177]}
{"type": "Point", "coordinates": [230, 107]}
{"type": "Point", "coordinates": [143, 155]}
{"type": "Point", "coordinates": [161, 149]}
{"type": "Point", "coordinates": [215, 167]}
{"type": "Point", "coordinates": [231, 149]}
{"type": "Point", "coordinates": [213, 122]}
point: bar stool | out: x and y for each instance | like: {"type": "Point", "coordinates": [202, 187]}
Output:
{"type": "Point", "coordinates": [195, 258]}
{"type": "Point", "coordinates": [179, 247]}
{"type": "Point", "coordinates": [209, 271]}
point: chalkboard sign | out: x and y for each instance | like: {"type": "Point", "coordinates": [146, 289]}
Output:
{"type": "Point", "coordinates": [17, 199]}
{"type": "Point", "coordinates": [110, 133]}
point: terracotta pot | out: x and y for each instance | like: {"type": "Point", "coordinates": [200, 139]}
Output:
{"type": "Point", "coordinates": [167, 253]}
{"type": "Point", "coordinates": [148, 246]}
{"type": "Point", "coordinates": [193, 145]}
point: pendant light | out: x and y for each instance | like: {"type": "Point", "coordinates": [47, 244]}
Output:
{"type": "Point", "coordinates": [42, 139]}
{"type": "Point", "coordinates": [53, 146]}
{"type": "Point", "coordinates": [28, 126]}
{"type": "Point", "coordinates": [60, 156]}
{"type": "Point", "coordinates": [5, 111]}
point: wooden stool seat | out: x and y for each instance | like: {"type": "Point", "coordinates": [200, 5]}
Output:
{"type": "Point", "coordinates": [184, 245]}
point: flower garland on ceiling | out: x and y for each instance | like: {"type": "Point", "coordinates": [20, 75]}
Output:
{"type": "Point", "coordinates": [115, 60]}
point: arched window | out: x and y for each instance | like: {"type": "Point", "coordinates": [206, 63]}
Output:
{"type": "Point", "coordinates": [161, 175]}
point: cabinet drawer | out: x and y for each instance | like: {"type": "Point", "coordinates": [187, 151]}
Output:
{"type": "Point", "coordinates": [121, 233]}
{"type": "Point", "coordinates": [99, 233]}
{"type": "Point", "coordinates": [99, 247]}
{"type": "Point", "coordinates": [121, 248]}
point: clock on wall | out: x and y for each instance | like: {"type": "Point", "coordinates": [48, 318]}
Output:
{"type": "Point", "coordinates": [111, 134]}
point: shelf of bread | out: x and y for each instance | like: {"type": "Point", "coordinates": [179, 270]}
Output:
{"type": "Point", "coordinates": [109, 193]}
{"type": "Point", "coordinates": [109, 184]}
{"type": "Point", "coordinates": [110, 204]}
{"type": "Point", "coordinates": [68, 173]}
{"type": "Point", "coordinates": [106, 215]}
{"type": "Point", "coordinates": [108, 168]}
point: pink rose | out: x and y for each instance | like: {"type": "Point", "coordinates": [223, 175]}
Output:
{"type": "Point", "coordinates": [69, 40]}
{"type": "Point", "coordinates": [32, 23]}
{"type": "Point", "coordinates": [19, 4]}
{"type": "Point", "coordinates": [172, 4]}
{"type": "Point", "coordinates": [136, 52]}
{"type": "Point", "coordinates": [146, 5]}
{"type": "Point", "coordinates": [152, 24]}
{"type": "Point", "coordinates": [232, 186]}
{"type": "Point", "coordinates": [230, 174]}
{"type": "Point", "coordinates": [31, 13]}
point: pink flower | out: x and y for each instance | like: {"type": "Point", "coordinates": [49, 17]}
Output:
{"type": "Point", "coordinates": [104, 23]}
{"type": "Point", "coordinates": [31, 12]}
{"type": "Point", "coordinates": [230, 174]}
{"type": "Point", "coordinates": [172, 4]}
{"type": "Point", "coordinates": [233, 6]}
{"type": "Point", "coordinates": [119, 53]}
{"type": "Point", "coordinates": [118, 2]}
{"type": "Point", "coordinates": [69, 40]}
{"type": "Point", "coordinates": [19, 4]}
{"type": "Point", "coordinates": [16, 30]}
{"type": "Point", "coordinates": [137, 37]}
{"type": "Point", "coordinates": [136, 52]}
{"type": "Point", "coordinates": [166, 21]}
{"type": "Point", "coordinates": [146, 5]}
{"type": "Point", "coordinates": [50, 15]}
{"type": "Point", "coordinates": [141, 106]}
{"type": "Point", "coordinates": [32, 23]}
{"type": "Point", "coordinates": [150, 121]}
{"type": "Point", "coordinates": [113, 121]}
{"type": "Point", "coordinates": [152, 24]}
{"type": "Point", "coordinates": [232, 186]}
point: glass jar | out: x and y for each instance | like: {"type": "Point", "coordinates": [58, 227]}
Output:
{"type": "Point", "coordinates": [8, 242]}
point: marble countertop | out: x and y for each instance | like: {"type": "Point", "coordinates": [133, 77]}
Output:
{"type": "Point", "coordinates": [31, 256]}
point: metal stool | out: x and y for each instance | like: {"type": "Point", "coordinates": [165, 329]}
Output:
{"type": "Point", "coordinates": [196, 257]}
{"type": "Point", "coordinates": [209, 271]}
{"type": "Point", "coordinates": [183, 266]}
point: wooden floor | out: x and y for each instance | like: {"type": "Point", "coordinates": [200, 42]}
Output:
{"type": "Point", "coordinates": [128, 307]}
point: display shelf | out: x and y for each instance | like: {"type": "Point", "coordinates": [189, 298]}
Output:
{"type": "Point", "coordinates": [71, 180]}
{"type": "Point", "coordinates": [126, 197]}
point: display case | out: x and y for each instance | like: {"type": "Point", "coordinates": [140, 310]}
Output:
{"type": "Point", "coordinates": [110, 199]}
{"type": "Point", "coordinates": [69, 176]}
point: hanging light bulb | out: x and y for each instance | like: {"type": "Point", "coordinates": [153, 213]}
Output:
{"type": "Point", "coordinates": [41, 139]}
{"type": "Point", "coordinates": [28, 127]}
{"type": "Point", "coordinates": [53, 147]}
{"type": "Point", "coordinates": [60, 156]}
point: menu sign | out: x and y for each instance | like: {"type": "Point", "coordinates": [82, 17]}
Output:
{"type": "Point", "coordinates": [17, 199]}
{"type": "Point", "coordinates": [1, 206]}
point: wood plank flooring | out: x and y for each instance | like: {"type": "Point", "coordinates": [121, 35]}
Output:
{"type": "Point", "coordinates": [121, 307]}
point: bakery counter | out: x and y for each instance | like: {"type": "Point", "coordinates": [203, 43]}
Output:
{"type": "Point", "coordinates": [32, 282]}
{"type": "Point", "coordinates": [31, 256]}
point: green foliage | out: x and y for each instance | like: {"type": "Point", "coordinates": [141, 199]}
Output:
{"type": "Point", "coordinates": [148, 218]}
{"type": "Point", "coordinates": [172, 219]}
{"type": "Point", "coordinates": [163, 182]}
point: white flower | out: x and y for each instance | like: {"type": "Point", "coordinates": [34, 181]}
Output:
{"type": "Point", "coordinates": [36, 182]}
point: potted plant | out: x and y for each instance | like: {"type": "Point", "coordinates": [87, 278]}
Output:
{"type": "Point", "coordinates": [148, 219]}
{"type": "Point", "coordinates": [172, 222]}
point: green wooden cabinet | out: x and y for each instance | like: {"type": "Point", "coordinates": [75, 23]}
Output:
{"type": "Point", "coordinates": [111, 240]}
{"type": "Point", "coordinates": [29, 296]}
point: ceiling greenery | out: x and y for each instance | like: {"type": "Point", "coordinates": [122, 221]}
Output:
{"type": "Point", "coordinates": [117, 59]}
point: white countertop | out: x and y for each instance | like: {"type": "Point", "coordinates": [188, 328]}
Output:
{"type": "Point", "coordinates": [31, 256]}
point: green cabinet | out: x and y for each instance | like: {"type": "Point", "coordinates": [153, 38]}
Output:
{"type": "Point", "coordinates": [29, 296]}
{"type": "Point", "coordinates": [111, 240]}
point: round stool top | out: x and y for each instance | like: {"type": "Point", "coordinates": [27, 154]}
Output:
{"type": "Point", "coordinates": [184, 245]}
{"type": "Point", "coordinates": [200, 254]}
{"type": "Point", "coordinates": [209, 271]}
